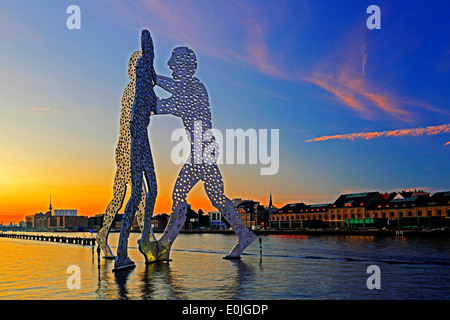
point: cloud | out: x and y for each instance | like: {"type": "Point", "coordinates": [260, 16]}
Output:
{"type": "Point", "coordinates": [236, 32]}
{"type": "Point", "coordinates": [257, 24]}
{"type": "Point", "coordinates": [433, 130]}
{"type": "Point", "coordinates": [344, 74]}
{"type": "Point", "coordinates": [256, 49]}
{"type": "Point", "coordinates": [180, 22]}
{"type": "Point", "coordinates": [346, 96]}
{"type": "Point", "coordinates": [14, 28]}
{"type": "Point", "coordinates": [41, 110]}
{"type": "Point", "coordinates": [347, 83]}
{"type": "Point", "coordinates": [447, 144]}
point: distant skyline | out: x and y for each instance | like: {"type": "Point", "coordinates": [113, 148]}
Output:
{"type": "Point", "coordinates": [357, 109]}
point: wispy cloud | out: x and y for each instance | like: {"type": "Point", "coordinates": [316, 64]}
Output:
{"type": "Point", "coordinates": [40, 111]}
{"type": "Point", "coordinates": [182, 23]}
{"type": "Point", "coordinates": [258, 24]}
{"type": "Point", "coordinates": [210, 29]}
{"type": "Point", "coordinates": [432, 130]}
{"type": "Point", "coordinates": [447, 144]}
{"type": "Point", "coordinates": [344, 74]}
{"type": "Point", "coordinates": [14, 27]}
{"type": "Point", "coordinates": [256, 49]}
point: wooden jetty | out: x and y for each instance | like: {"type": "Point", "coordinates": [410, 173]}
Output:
{"type": "Point", "coordinates": [59, 239]}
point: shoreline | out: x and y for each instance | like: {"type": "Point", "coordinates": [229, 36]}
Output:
{"type": "Point", "coordinates": [319, 232]}
{"type": "Point", "coordinates": [312, 232]}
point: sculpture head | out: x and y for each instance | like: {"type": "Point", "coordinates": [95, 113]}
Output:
{"type": "Point", "coordinates": [183, 63]}
{"type": "Point", "coordinates": [132, 64]}
{"type": "Point", "coordinates": [147, 44]}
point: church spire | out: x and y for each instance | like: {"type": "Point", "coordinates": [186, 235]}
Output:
{"type": "Point", "coordinates": [270, 200]}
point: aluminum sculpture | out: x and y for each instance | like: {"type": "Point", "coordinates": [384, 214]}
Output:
{"type": "Point", "coordinates": [123, 174]}
{"type": "Point", "coordinates": [140, 154]}
{"type": "Point", "coordinates": [189, 100]}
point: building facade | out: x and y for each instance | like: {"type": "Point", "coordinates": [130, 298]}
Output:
{"type": "Point", "coordinates": [299, 216]}
{"type": "Point", "coordinates": [65, 212]}
{"type": "Point", "coordinates": [368, 210]}
{"type": "Point", "coordinates": [160, 221]}
{"type": "Point", "coordinates": [38, 221]}
{"type": "Point", "coordinates": [68, 222]}
{"type": "Point", "coordinates": [216, 221]}
{"type": "Point", "coordinates": [253, 215]}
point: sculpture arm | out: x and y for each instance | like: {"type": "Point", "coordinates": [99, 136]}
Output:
{"type": "Point", "coordinates": [167, 106]}
{"type": "Point", "coordinates": [166, 83]}
{"type": "Point", "coordinates": [161, 106]}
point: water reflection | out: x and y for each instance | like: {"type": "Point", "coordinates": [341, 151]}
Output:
{"type": "Point", "coordinates": [159, 282]}
{"type": "Point", "coordinates": [323, 267]}
{"type": "Point", "coordinates": [243, 276]}
{"type": "Point", "coordinates": [104, 282]}
{"type": "Point", "coordinates": [121, 278]}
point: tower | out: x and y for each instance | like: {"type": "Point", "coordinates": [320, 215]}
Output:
{"type": "Point", "coordinates": [271, 208]}
{"type": "Point", "coordinates": [50, 207]}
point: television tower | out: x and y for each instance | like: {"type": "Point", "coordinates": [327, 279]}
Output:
{"type": "Point", "coordinates": [50, 207]}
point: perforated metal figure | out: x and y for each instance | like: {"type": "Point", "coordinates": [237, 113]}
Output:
{"type": "Point", "coordinates": [190, 101]}
{"type": "Point", "coordinates": [141, 157]}
{"type": "Point", "coordinates": [123, 173]}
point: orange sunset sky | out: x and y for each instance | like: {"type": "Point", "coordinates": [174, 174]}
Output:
{"type": "Point", "coordinates": [357, 110]}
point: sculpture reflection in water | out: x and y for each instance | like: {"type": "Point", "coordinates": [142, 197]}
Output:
{"type": "Point", "coordinates": [162, 281]}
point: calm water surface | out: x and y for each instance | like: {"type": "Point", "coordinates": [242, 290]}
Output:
{"type": "Point", "coordinates": [292, 267]}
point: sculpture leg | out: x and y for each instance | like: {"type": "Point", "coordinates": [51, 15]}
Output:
{"type": "Point", "coordinates": [141, 209]}
{"type": "Point", "coordinates": [122, 261]}
{"type": "Point", "coordinates": [102, 236]}
{"type": "Point", "coordinates": [119, 191]}
{"type": "Point", "coordinates": [145, 243]}
{"type": "Point", "coordinates": [214, 190]}
{"type": "Point", "coordinates": [245, 236]}
{"type": "Point", "coordinates": [186, 180]}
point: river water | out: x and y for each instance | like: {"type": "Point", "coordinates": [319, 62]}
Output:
{"type": "Point", "coordinates": [291, 267]}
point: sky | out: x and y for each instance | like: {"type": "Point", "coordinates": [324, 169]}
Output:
{"type": "Point", "coordinates": [357, 109]}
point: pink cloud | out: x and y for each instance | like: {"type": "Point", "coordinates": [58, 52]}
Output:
{"type": "Point", "coordinates": [432, 130]}
{"type": "Point", "coordinates": [14, 28]}
{"type": "Point", "coordinates": [256, 49]}
{"type": "Point", "coordinates": [206, 31]}
{"type": "Point", "coordinates": [343, 73]}
{"type": "Point", "coordinates": [347, 96]}
{"type": "Point", "coordinates": [182, 23]}
{"type": "Point", "coordinates": [42, 110]}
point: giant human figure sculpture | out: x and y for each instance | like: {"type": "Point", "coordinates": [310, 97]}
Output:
{"type": "Point", "coordinates": [190, 101]}
{"type": "Point", "coordinates": [123, 173]}
{"type": "Point", "coordinates": [140, 154]}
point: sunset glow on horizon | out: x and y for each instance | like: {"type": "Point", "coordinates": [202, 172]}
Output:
{"type": "Point", "coordinates": [314, 71]}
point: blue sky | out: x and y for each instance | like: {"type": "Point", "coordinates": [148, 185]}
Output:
{"type": "Point", "coordinates": [308, 68]}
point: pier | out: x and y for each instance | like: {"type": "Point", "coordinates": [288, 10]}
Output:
{"type": "Point", "coordinates": [58, 239]}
